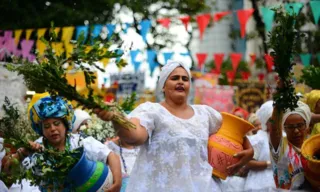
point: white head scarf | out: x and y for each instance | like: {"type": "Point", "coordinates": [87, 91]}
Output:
{"type": "Point", "coordinates": [303, 110]}
{"type": "Point", "coordinates": [264, 113]}
{"type": "Point", "coordinates": [80, 116]}
{"type": "Point", "coordinates": [167, 70]}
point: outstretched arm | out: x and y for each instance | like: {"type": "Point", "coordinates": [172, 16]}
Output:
{"type": "Point", "coordinates": [136, 136]}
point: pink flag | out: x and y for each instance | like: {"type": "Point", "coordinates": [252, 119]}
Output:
{"type": "Point", "coordinates": [245, 75]}
{"type": "Point", "coordinates": [231, 75]}
{"type": "Point", "coordinates": [243, 17]}
{"type": "Point", "coordinates": [235, 59]}
{"type": "Point", "coordinates": [220, 15]}
{"type": "Point", "coordinates": [203, 21]}
{"type": "Point", "coordinates": [26, 46]}
{"type": "Point", "coordinates": [165, 22]}
{"type": "Point", "coordinates": [269, 61]}
{"type": "Point", "coordinates": [253, 58]}
{"type": "Point", "coordinates": [185, 20]}
{"type": "Point", "coordinates": [201, 59]}
{"type": "Point", "coordinates": [218, 59]}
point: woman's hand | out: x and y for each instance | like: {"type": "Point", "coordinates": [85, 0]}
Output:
{"type": "Point", "coordinates": [104, 115]}
{"type": "Point", "coordinates": [245, 156]}
{"type": "Point", "coordinates": [115, 187]}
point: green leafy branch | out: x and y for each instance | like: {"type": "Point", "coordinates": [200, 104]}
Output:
{"type": "Point", "coordinates": [283, 41]}
{"type": "Point", "coordinates": [49, 73]}
{"type": "Point", "coordinates": [311, 76]}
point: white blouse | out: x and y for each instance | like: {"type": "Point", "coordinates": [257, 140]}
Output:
{"type": "Point", "coordinates": [175, 157]}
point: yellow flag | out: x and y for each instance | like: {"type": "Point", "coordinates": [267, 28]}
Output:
{"type": "Point", "coordinates": [69, 49]}
{"type": "Point", "coordinates": [28, 33]}
{"type": "Point", "coordinates": [17, 35]}
{"type": "Point", "coordinates": [58, 48]}
{"type": "Point", "coordinates": [67, 33]}
{"type": "Point", "coordinates": [41, 47]}
{"type": "Point", "coordinates": [41, 32]}
{"type": "Point", "coordinates": [104, 61]}
{"type": "Point", "coordinates": [57, 30]}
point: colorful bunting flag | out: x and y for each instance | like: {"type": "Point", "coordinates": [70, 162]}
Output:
{"type": "Point", "coordinates": [218, 59]}
{"type": "Point", "coordinates": [145, 26]}
{"type": "Point", "coordinates": [269, 61]}
{"type": "Point", "coordinates": [253, 58]}
{"type": "Point", "coordinates": [267, 17]}
{"type": "Point", "coordinates": [185, 20]}
{"type": "Point", "coordinates": [82, 29]}
{"type": "Point", "coordinates": [111, 28]}
{"type": "Point", "coordinates": [136, 64]}
{"type": "Point", "coordinates": [167, 56]}
{"type": "Point", "coordinates": [152, 60]}
{"type": "Point", "coordinates": [17, 34]}
{"type": "Point", "coordinates": [235, 60]}
{"type": "Point", "coordinates": [39, 44]}
{"type": "Point", "coordinates": [165, 22]}
{"type": "Point", "coordinates": [243, 17]}
{"type": "Point", "coordinates": [67, 33]}
{"type": "Point", "coordinates": [28, 33]}
{"type": "Point", "coordinates": [96, 31]}
{"type": "Point", "coordinates": [245, 75]}
{"type": "Point", "coordinates": [293, 8]}
{"type": "Point", "coordinates": [126, 27]}
{"type": "Point", "coordinates": [119, 53]}
{"type": "Point", "coordinates": [201, 59]}
{"type": "Point", "coordinates": [203, 21]}
{"type": "Point", "coordinates": [218, 16]}
{"type": "Point", "coordinates": [26, 47]}
{"type": "Point", "coordinates": [231, 75]}
{"type": "Point", "coordinates": [305, 59]}
{"type": "Point", "coordinates": [315, 7]}
{"type": "Point", "coordinates": [58, 48]}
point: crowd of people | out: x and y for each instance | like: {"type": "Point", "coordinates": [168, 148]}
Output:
{"type": "Point", "coordinates": [167, 150]}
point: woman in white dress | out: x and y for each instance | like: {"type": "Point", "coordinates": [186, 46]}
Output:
{"type": "Point", "coordinates": [173, 136]}
{"type": "Point", "coordinates": [260, 168]}
{"type": "Point", "coordinates": [52, 119]}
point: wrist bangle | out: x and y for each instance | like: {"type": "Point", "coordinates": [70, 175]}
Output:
{"type": "Point", "coordinates": [268, 164]}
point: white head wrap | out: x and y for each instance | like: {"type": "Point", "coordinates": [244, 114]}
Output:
{"type": "Point", "coordinates": [264, 113]}
{"type": "Point", "coordinates": [303, 110]}
{"type": "Point", "coordinates": [167, 70]}
{"type": "Point", "coordinates": [80, 116]}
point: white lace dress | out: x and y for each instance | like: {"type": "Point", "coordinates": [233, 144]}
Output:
{"type": "Point", "coordinates": [175, 157]}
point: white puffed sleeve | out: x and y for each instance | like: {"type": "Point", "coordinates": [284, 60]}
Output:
{"type": "Point", "coordinates": [95, 150]}
{"type": "Point", "coordinates": [215, 119]}
{"type": "Point", "coordinates": [145, 113]}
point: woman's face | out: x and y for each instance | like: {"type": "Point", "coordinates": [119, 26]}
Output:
{"type": "Point", "coordinates": [177, 85]}
{"type": "Point", "coordinates": [296, 129]}
{"type": "Point", "coordinates": [54, 131]}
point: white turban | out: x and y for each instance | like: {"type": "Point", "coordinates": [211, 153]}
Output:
{"type": "Point", "coordinates": [303, 110]}
{"type": "Point", "coordinates": [80, 117]}
{"type": "Point", "coordinates": [167, 70]}
{"type": "Point", "coordinates": [264, 113]}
